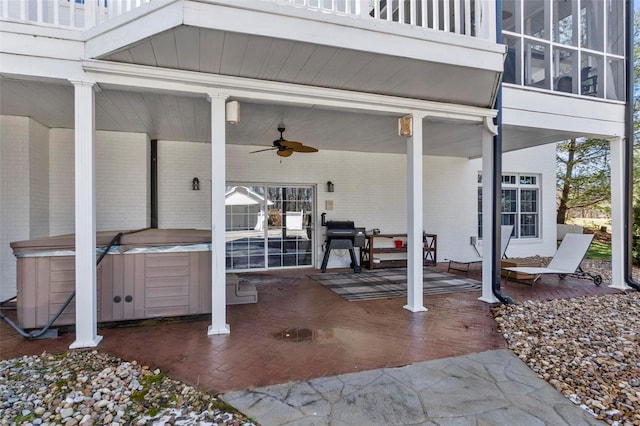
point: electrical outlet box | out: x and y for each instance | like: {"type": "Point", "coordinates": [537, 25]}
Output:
{"type": "Point", "coordinates": [473, 240]}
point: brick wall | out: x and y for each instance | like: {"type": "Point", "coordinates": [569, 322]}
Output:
{"type": "Point", "coordinates": [178, 205]}
{"type": "Point", "coordinates": [38, 180]}
{"type": "Point", "coordinates": [122, 169]}
{"type": "Point", "coordinates": [536, 160]}
{"type": "Point", "coordinates": [23, 191]}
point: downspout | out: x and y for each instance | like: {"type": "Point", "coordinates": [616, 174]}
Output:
{"type": "Point", "coordinates": [496, 279]}
{"type": "Point", "coordinates": [628, 152]}
{"type": "Point", "coordinates": [154, 183]}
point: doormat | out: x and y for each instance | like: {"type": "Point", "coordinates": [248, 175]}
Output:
{"type": "Point", "coordinates": [389, 283]}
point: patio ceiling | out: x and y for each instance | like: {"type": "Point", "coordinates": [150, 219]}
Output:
{"type": "Point", "coordinates": [289, 61]}
{"type": "Point", "coordinates": [187, 118]}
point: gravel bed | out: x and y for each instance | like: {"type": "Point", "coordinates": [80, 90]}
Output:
{"type": "Point", "coordinates": [91, 387]}
{"type": "Point", "coordinates": [588, 348]}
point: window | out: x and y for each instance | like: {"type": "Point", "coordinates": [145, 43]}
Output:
{"type": "Point", "coordinates": [570, 46]}
{"type": "Point", "coordinates": [520, 201]}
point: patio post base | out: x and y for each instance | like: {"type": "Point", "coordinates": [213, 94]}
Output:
{"type": "Point", "coordinates": [212, 331]}
{"type": "Point", "coordinates": [415, 308]}
{"type": "Point", "coordinates": [77, 344]}
{"type": "Point", "coordinates": [490, 299]}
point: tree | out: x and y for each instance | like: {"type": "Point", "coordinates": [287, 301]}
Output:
{"type": "Point", "coordinates": [636, 139]}
{"type": "Point", "coordinates": [583, 175]}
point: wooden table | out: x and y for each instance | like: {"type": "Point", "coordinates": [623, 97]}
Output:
{"type": "Point", "coordinates": [392, 256]}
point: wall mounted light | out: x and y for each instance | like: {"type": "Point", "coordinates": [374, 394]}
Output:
{"type": "Point", "coordinates": [195, 184]}
{"type": "Point", "coordinates": [330, 187]}
{"type": "Point", "coordinates": [405, 126]}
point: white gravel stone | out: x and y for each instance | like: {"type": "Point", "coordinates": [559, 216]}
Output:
{"type": "Point", "coordinates": [87, 388]}
{"type": "Point", "coordinates": [594, 361]}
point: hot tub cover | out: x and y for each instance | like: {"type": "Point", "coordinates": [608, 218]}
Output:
{"type": "Point", "coordinates": [143, 238]}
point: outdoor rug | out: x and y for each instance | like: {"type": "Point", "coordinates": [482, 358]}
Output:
{"type": "Point", "coordinates": [388, 283]}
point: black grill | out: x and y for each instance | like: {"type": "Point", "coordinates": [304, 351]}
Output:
{"type": "Point", "coordinates": [343, 235]}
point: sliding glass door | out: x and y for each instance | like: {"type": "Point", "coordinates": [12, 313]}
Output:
{"type": "Point", "coordinates": [268, 226]}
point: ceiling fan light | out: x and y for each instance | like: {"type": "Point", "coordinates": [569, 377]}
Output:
{"type": "Point", "coordinates": [284, 152]}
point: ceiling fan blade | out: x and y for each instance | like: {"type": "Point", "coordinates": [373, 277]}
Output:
{"type": "Point", "coordinates": [284, 152]}
{"type": "Point", "coordinates": [262, 150]}
{"type": "Point", "coordinates": [305, 148]}
{"type": "Point", "coordinates": [290, 144]}
{"type": "Point", "coordinates": [297, 146]}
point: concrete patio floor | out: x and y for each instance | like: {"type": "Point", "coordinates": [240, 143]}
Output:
{"type": "Point", "coordinates": [334, 336]}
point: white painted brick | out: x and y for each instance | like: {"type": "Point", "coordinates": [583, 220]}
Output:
{"type": "Point", "coordinates": [122, 170]}
{"type": "Point", "coordinates": [23, 190]}
{"type": "Point", "coordinates": [178, 205]}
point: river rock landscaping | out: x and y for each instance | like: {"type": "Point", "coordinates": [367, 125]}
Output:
{"type": "Point", "coordinates": [91, 387]}
{"type": "Point", "coordinates": [587, 348]}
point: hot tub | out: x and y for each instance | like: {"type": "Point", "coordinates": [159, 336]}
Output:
{"type": "Point", "coordinates": [151, 273]}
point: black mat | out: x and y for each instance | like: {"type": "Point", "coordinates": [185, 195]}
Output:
{"type": "Point", "coordinates": [387, 283]}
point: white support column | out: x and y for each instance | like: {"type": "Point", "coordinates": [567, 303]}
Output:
{"type": "Point", "coordinates": [486, 25]}
{"type": "Point", "coordinates": [488, 132]}
{"type": "Point", "coordinates": [415, 297]}
{"type": "Point", "coordinates": [85, 217]}
{"type": "Point", "coordinates": [617, 214]}
{"type": "Point", "coordinates": [218, 180]}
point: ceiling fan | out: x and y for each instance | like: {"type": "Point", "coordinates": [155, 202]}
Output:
{"type": "Point", "coordinates": [285, 148]}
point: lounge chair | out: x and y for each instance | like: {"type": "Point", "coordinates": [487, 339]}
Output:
{"type": "Point", "coordinates": [565, 262]}
{"type": "Point", "coordinates": [506, 231]}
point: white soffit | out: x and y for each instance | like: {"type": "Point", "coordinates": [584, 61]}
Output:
{"type": "Point", "coordinates": [525, 108]}
{"type": "Point", "coordinates": [264, 40]}
{"type": "Point", "coordinates": [161, 79]}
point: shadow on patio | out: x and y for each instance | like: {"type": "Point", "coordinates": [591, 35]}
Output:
{"type": "Point", "coordinates": [327, 335]}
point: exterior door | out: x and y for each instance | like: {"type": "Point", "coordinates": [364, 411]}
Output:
{"type": "Point", "coordinates": [268, 226]}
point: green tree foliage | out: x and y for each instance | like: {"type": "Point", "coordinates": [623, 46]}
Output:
{"type": "Point", "coordinates": [583, 175]}
{"type": "Point", "coordinates": [636, 139]}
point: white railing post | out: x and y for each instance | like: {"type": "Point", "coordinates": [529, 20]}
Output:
{"type": "Point", "coordinates": [72, 14]}
{"type": "Point", "coordinates": [56, 12]}
{"type": "Point", "coordinates": [486, 26]}
{"type": "Point", "coordinates": [362, 9]}
{"type": "Point", "coordinates": [102, 12]}
{"type": "Point", "coordinates": [400, 12]}
{"type": "Point", "coordinates": [90, 13]}
{"type": "Point", "coordinates": [39, 11]}
{"type": "Point", "coordinates": [23, 10]}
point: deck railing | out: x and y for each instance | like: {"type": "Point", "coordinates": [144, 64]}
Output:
{"type": "Point", "coordinates": [473, 18]}
{"type": "Point", "coordinates": [71, 14]}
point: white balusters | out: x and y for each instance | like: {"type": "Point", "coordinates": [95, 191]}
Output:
{"type": "Point", "coordinates": [472, 18]}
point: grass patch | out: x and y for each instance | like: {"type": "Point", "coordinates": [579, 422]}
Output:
{"type": "Point", "coordinates": [147, 383]}
{"type": "Point", "coordinates": [599, 250]}
{"type": "Point", "coordinates": [219, 404]}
